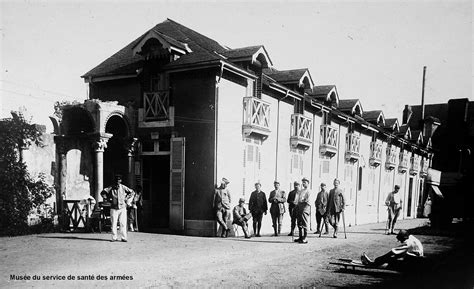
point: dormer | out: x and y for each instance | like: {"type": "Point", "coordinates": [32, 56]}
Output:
{"type": "Point", "coordinates": [392, 125]}
{"type": "Point", "coordinates": [417, 137]}
{"type": "Point", "coordinates": [352, 107]}
{"type": "Point", "coordinates": [299, 80]}
{"type": "Point", "coordinates": [255, 58]}
{"type": "Point", "coordinates": [404, 132]}
{"type": "Point", "coordinates": [326, 94]}
{"type": "Point", "coordinates": [375, 117]}
{"type": "Point", "coordinates": [155, 44]}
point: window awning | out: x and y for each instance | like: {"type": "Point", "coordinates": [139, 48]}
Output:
{"type": "Point", "coordinates": [437, 191]}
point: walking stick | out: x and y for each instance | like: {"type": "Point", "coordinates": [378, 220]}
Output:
{"type": "Point", "coordinates": [344, 225]}
{"type": "Point", "coordinates": [387, 225]}
{"type": "Point", "coordinates": [310, 215]}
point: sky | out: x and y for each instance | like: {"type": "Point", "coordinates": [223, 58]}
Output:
{"type": "Point", "coordinates": [371, 50]}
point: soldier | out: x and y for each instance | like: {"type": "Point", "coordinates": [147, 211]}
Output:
{"type": "Point", "coordinates": [258, 207]}
{"type": "Point", "coordinates": [303, 212]}
{"type": "Point", "coordinates": [292, 202]}
{"type": "Point", "coordinates": [321, 206]}
{"type": "Point", "coordinates": [241, 217]}
{"type": "Point", "coordinates": [277, 200]}
{"type": "Point", "coordinates": [335, 206]}
{"type": "Point", "coordinates": [221, 205]}
{"type": "Point", "coordinates": [394, 204]}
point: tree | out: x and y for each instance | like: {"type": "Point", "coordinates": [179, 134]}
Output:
{"type": "Point", "coordinates": [19, 193]}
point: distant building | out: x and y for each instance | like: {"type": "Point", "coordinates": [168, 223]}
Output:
{"type": "Point", "coordinates": [452, 128]}
{"type": "Point", "coordinates": [175, 111]}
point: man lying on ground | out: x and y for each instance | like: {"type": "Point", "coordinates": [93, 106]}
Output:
{"type": "Point", "coordinates": [406, 254]}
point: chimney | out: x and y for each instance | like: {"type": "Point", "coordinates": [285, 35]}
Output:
{"type": "Point", "coordinates": [407, 112]}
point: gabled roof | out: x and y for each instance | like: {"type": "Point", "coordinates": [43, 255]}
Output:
{"type": "Point", "coordinates": [326, 93]}
{"type": "Point", "coordinates": [416, 136]}
{"type": "Point", "coordinates": [251, 53]}
{"type": "Point", "coordinates": [126, 62]}
{"type": "Point", "coordinates": [293, 76]}
{"type": "Point", "coordinates": [404, 131]}
{"type": "Point", "coordinates": [375, 117]}
{"type": "Point", "coordinates": [350, 106]}
{"type": "Point", "coordinates": [392, 124]}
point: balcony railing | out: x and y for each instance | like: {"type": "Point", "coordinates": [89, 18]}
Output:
{"type": "Point", "coordinates": [414, 165]}
{"type": "Point", "coordinates": [301, 131]}
{"type": "Point", "coordinates": [425, 162]}
{"type": "Point", "coordinates": [352, 147]}
{"type": "Point", "coordinates": [391, 159]}
{"type": "Point", "coordinates": [328, 140]}
{"type": "Point", "coordinates": [375, 153]}
{"type": "Point", "coordinates": [404, 160]}
{"type": "Point", "coordinates": [156, 111]}
{"type": "Point", "coordinates": [256, 117]}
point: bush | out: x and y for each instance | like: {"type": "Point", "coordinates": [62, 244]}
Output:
{"type": "Point", "coordinates": [19, 193]}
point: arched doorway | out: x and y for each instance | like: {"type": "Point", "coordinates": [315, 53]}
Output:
{"type": "Point", "coordinates": [115, 155]}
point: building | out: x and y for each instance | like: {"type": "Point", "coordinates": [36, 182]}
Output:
{"type": "Point", "coordinates": [452, 127]}
{"type": "Point", "coordinates": [176, 111]}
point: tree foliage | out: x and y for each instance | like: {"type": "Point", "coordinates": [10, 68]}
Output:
{"type": "Point", "coordinates": [19, 192]}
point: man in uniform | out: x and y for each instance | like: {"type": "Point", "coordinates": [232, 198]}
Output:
{"type": "Point", "coordinates": [241, 217]}
{"type": "Point", "coordinates": [258, 207]}
{"type": "Point", "coordinates": [221, 205]}
{"type": "Point", "coordinates": [321, 206]}
{"type": "Point", "coordinates": [292, 202]}
{"type": "Point", "coordinates": [394, 203]}
{"type": "Point", "coordinates": [303, 211]}
{"type": "Point", "coordinates": [118, 195]}
{"type": "Point", "coordinates": [277, 200]}
{"type": "Point", "coordinates": [335, 205]}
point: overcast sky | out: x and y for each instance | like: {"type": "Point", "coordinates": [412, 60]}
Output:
{"type": "Point", "coordinates": [371, 50]}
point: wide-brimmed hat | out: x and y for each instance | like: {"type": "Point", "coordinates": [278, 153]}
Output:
{"type": "Point", "coordinates": [224, 180]}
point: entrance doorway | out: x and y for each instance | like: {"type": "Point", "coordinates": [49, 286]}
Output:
{"type": "Point", "coordinates": [409, 199]}
{"type": "Point", "coordinates": [115, 155]}
{"type": "Point", "coordinates": [156, 191]}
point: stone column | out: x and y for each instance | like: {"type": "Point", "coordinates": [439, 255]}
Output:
{"type": "Point", "coordinates": [131, 149]}
{"type": "Point", "coordinates": [99, 145]}
{"type": "Point", "coordinates": [61, 173]}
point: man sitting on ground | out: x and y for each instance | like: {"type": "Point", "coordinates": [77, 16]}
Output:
{"type": "Point", "coordinates": [410, 250]}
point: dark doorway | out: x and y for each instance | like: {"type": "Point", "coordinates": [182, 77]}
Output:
{"type": "Point", "coordinates": [410, 193]}
{"type": "Point", "coordinates": [115, 155]}
{"type": "Point", "coordinates": [156, 191]}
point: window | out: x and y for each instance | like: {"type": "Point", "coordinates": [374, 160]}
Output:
{"type": "Point", "coordinates": [360, 179]}
{"type": "Point", "coordinates": [297, 161]}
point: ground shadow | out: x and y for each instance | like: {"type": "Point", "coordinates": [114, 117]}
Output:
{"type": "Point", "coordinates": [73, 238]}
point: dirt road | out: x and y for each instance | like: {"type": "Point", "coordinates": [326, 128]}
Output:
{"type": "Point", "coordinates": [153, 260]}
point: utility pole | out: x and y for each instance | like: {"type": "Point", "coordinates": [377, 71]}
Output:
{"type": "Point", "coordinates": [423, 95]}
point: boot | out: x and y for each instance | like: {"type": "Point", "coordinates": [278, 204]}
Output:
{"type": "Point", "coordinates": [255, 229]}
{"type": "Point", "coordinates": [279, 229]}
{"type": "Point", "coordinates": [246, 233]}
{"type": "Point", "coordinates": [300, 235]}
{"type": "Point", "coordinates": [275, 232]}
{"type": "Point", "coordinates": [305, 234]}
{"type": "Point", "coordinates": [335, 232]}
{"type": "Point", "coordinates": [259, 226]}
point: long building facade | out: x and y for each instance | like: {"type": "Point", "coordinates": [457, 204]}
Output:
{"type": "Point", "coordinates": [176, 111]}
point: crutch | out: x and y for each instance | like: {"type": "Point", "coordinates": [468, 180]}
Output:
{"type": "Point", "coordinates": [310, 217]}
{"type": "Point", "coordinates": [344, 224]}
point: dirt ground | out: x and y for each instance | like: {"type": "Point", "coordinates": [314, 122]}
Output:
{"type": "Point", "coordinates": [156, 260]}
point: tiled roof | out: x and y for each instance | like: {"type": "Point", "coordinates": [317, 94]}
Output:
{"type": "Point", "coordinates": [288, 76]}
{"type": "Point", "coordinates": [347, 104]}
{"type": "Point", "coordinates": [372, 115]}
{"type": "Point", "coordinates": [242, 52]}
{"type": "Point", "coordinates": [389, 122]}
{"type": "Point", "coordinates": [322, 90]}
{"type": "Point", "coordinates": [124, 62]}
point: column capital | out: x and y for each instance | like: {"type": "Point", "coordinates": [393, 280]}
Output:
{"type": "Point", "coordinates": [61, 144]}
{"type": "Point", "coordinates": [99, 143]}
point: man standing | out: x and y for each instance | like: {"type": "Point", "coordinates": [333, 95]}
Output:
{"type": "Point", "coordinates": [258, 207]}
{"type": "Point", "coordinates": [394, 203]}
{"type": "Point", "coordinates": [241, 217]}
{"type": "Point", "coordinates": [303, 208]}
{"type": "Point", "coordinates": [292, 202]}
{"type": "Point", "coordinates": [321, 206]}
{"type": "Point", "coordinates": [118, 195]}
{"type": "Point", "coordinates": [336, 205]}
{"type": "Point", "coordinates": [221, 205]}
{"type": "Point", "coordinates": [277, 200]}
